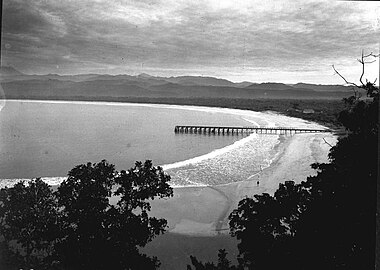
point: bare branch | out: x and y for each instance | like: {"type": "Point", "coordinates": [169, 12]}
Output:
{"type": "Point", "coordinates": [371, 54]}
{"type": "Point", "coordinates": [327, 142]}
{"type": "Point", "coordinates": [369, 62]}
{"type": "Point", "coordinates": [347, 82]}
{"type": "Point", "coordinates": [363, 85]}
{"type": "Point", "coordinates": [361, 76]}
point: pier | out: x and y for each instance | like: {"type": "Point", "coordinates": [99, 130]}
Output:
{"type": "Point", "coordinates": [218, 130]}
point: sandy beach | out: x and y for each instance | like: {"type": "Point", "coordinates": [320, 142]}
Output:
{"type": "Point", "coordinates": [204, 210]}
{"type": "Point", "coordinates": [196, 213]}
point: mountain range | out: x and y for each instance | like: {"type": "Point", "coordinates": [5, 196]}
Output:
{"type": "Point", "coordinates": [102, 86]}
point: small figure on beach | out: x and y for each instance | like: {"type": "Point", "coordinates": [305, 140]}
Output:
{"type": "Point", "coordinates": [258, 183]}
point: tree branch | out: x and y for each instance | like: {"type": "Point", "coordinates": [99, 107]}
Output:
{"type": "Point", "coordinates": [347, 82]}
{"type": "Point", "coordinates": [327, 142]}
{"type": "Point", "coordinates": [371, 54]}
{"type": "Point", "coordinates": [362, 62]}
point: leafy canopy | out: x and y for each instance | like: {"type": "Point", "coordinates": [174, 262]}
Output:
{"type": "Point", "coordinates": [327, 221]}
{"type": "Point", "coordinates": [97, 219]}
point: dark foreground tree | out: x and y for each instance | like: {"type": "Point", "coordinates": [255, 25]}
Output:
{"type": "Point", "coordinates": [28, 222]}
{"type": "Point", "coordinates": [222, 264]}
{"type": "Point", "coordinates": [104, 235]}
{"type": "Point", "coordinates": [328, 221]}
{"type": "Point", "coordinates": [97, 219]}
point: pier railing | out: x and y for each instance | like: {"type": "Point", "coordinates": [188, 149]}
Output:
{"type": "Point", "coordinates": [244, 130]}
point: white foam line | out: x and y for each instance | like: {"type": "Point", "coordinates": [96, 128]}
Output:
{"type": "Point", "coordinates": [271, 117]}
{"type": "Point", "coordinates": [189, 186]}
{"type": "Point", "coordinates": [52, 181]}
{"type": "Point", "coordinates": [269, 124]}
{"type": "Point", "coordinates": [237, 112]}
{"type": "Point", "coordinates": [251, 121]}
{"type": "Point", "coordinates": [179, 107]}
{"type": "Point", "coordinates": [264, 116]}
{"type": "Point", "coordinates": [210, 155]}
{"type": "Point", "coordinates": [55, 181]}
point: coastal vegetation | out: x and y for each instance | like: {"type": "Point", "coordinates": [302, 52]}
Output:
{"type": "Point", "coordinates": [325, 222]}
{"type": "Point", "coordinates": [96, 219]}
{"type": "Point", "coordinates": [99, 218]}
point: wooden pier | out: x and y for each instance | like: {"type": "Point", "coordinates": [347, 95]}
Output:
{"type": "Point", "coordinates": [244, 130]}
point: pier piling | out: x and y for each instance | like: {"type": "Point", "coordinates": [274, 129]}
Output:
{"type": "Point", "coordinates": [220, 130]}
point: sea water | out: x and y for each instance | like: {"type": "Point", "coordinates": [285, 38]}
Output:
{"type": "Point", "coordinates": [48, 138]}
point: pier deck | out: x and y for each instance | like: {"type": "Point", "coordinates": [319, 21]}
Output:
{"type": "Point", "coordinates": [244, 130]}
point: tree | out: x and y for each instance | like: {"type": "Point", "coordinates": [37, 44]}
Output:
{"type": "Point", "coordinates": [266, 226]}
{"type": "Point", "coordinates": [97, 219]}
{"type": "Point", "coordinates": [99, 234]}
{"type": "Point", "coordinates": [327, 221]}
{"type": "Point", "coordinates": [29, 222]}
{"type": "Point", "coordinates": [223, 263]}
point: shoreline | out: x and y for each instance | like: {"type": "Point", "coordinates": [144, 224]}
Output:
{"type": "Point", "coordinates": [203, 211]}
{"type": "Point", "coordinates": [199, 214]}
{"type": "Point", "coordinates": [55, 180]}
{"type": "Point", "coordinates": [279, 106]}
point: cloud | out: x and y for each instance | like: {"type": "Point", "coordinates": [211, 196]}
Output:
{"type": "Point", "coordinates": [209, 36]}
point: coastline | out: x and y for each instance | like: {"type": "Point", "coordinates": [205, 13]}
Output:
{"type": "Point", "coordinates": [243, 114]}
{"type": "Point", "coordinates": [328, 107]}
{"type": "Point", "coordinates": [199, 214]}
{"type": "Point", "coordinates": [203, 211]}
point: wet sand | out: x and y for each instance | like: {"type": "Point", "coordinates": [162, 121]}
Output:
{"type": "Point", "coordinates": [203, 211]}
{"type": "Point", "coordinates": [196, 213]}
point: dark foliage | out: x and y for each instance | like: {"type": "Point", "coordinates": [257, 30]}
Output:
{"type": "Point", "coordinates": [223, 263]}
{"type": "Point", "coordinates": [28, 222]}
{"type": "Point", "coordinates": [97, 219]}
{"type": "Point", "coordinates": [328, 221]}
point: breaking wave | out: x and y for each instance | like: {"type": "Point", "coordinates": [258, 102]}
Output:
{"type": "Point", "coordinates": [233, 163]}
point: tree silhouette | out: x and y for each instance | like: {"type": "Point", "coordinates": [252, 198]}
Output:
{"type": "Point", "coordinates": [97, 219]}
{"type": "Point", "coordinates": [327, 221]}
{"type": "Point", "coordinates": [29, 222]}
{"type": "Point", "coordinates": [266, 226]}
{"type": "Point", "coordinates": [102, 235]}
{"type": "Point", "coordinates": [223, 263]}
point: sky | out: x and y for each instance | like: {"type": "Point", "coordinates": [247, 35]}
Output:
{"type": "Point", "coordinates": [240, 40]}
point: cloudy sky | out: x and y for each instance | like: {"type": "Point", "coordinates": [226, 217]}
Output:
{"type": "Point", "coordinates": [258, 41]}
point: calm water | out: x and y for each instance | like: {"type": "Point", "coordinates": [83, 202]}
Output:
{"type": "Point", "coordinates": [47, 139]}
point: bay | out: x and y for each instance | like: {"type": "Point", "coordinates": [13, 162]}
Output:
{"type": "Point", "coordinates": [47, 139]}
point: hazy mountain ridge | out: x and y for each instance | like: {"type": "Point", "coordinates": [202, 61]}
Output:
{"type": "Point", "coordinates": [18, 85]}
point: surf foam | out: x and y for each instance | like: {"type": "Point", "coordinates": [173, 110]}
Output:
{"type": "Point", "coordinates": [223, 155]}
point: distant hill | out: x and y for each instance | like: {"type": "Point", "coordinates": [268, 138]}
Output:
{"type": "Point", "coordinates": [198, 80]}
{"type": "Point", "coordinates": [144, 75]}
{"type": "Point", "coordinates": [269, 86]}
{"type": "Point", "coordinates": [18, 85]}
{"type": "Point", "coordinates": [242, 84]}
{"type": "Point", "coordinates": [321, 87]}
